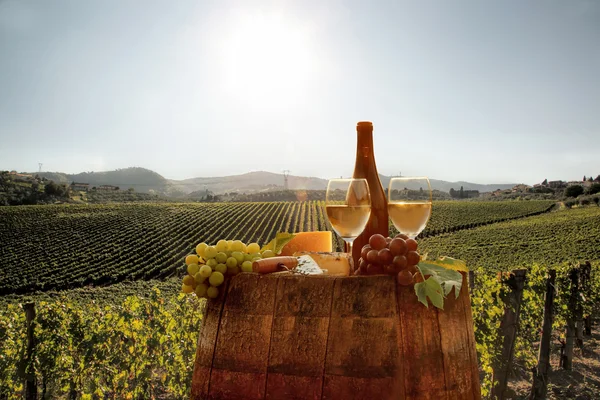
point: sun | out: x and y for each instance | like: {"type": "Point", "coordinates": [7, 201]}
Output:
{"type": "Point", "coordinates": [266, 59]}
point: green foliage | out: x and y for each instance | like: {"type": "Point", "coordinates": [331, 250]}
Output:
{"type": "Point", "coordinates": [140, 347]}
{"type": "Point", "coordinates": [447, 216]}
{"type": "Point", "coordinates": [79, 245]}
{"type": "Point", "coordinates": [547, 239]}
{"type": "Point", "coordinates": [595, 188]}
{"type": "Point", "coordinates": [574, 191]}
{"type": "Point", "coordinates": [439, 282]}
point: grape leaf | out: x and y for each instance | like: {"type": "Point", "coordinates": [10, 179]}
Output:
{"type": "Point", "coordinates": [430, 288]}
{"type": "Point", "coordinates": [278, 242]}
{"type": "Point", "coordinates": [447, 278]}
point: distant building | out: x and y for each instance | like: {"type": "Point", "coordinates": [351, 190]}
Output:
{"type": "Point", "coordinates": [80, 187]}
{"type": "Point", "coordinates": [107, 187]}
{"type": "Point", "coordinates": [521, 188]}
{"type": "Point", "coordinates": [557, 184]}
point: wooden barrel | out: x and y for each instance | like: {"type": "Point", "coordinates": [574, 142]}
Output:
{"type": "Point", "coordinates": [298, 337]}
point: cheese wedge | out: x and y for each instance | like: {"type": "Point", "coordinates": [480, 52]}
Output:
{"type": "Point", "coordinates": [308, 241]}
{"type": "Point", "coordinates": [308, 266]}
{"type": "Point", "coordinates": [335, 264]}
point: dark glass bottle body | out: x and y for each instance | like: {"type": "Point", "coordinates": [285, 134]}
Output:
{"type": "Point", "coordinates": [366, 168]}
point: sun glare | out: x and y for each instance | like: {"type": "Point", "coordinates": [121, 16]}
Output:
{"type": "Point", "coordinates": [267, 60]}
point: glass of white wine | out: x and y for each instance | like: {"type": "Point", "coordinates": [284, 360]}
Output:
{"type": "Point", "coordinates": [409, 204]}
{"type": "Point", "coordinates": [348, 206]}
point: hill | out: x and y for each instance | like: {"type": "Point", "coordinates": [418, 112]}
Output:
{"type": "Point", "coordinates": [147, 181]}
{"type": "Point", "coordinates": [250, 182]}
{"type": "Point", "coordinates": [140, 179]}
{"type": "Point", "coordinates": [262, 181]}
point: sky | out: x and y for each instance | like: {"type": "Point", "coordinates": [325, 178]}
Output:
{"type": "Point", "coordinates": [475, 90]}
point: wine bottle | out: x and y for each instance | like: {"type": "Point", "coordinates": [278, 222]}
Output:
{"type": "Point", "coordinates": [365, 168]}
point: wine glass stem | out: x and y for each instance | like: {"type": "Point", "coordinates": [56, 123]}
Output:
{"type": "Point", "coordinates": [349, 247]}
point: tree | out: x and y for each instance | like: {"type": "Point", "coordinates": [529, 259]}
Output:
{"type": "Point", "coordinates": [574, 191]}
{"type": "Point", "coordinates": [595, 188]}
{"type": "Point", "coordinates": [584, 178]}
{"type": "Point", "coordinates": [462, 192]}
{"type": "Point", "coordinates": [590, 179]}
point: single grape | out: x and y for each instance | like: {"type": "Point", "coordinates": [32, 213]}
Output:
{"type": "Point", "coordinates": [229, 243]}
{"type": "Point", "coordinates": [363, 252]}
{"type": "Point", "coordinates": [221, 257]}
{"type": "Point", "coordinates": [358, 271]}
{"type": "Point", "coordinates": [212, 292]}
{"type": "Point", "coordinates": [398, 247]}
{"type": "Point", "coordinates": [189, 280]}
{"type": "Point", "coordinates": [401, 236]}
{"type": "Point", "coordinates": [233, 271]}
{"type": "Point", "coordinates": [247, 266]}
{"type": "Point", "coordinates": [200, 249]}
{"type": "Point", "coordinates": [186, 289]}
{"type": "Point", "coordinates": [205, 271]}
{"type": "Point", "coordinates": [239, 256]}
{"type": "Point", "coordinates": [210, 252]}
{"type": "Point", "coordinates": [374, 269]}
{"type": "Point", "coordinates": [385, 256]}
{"type": "Point", "coordinates": [377, 242]}
{"type": "Point", "coordinates": [237, 245]}
{"type": "Point", "coordinates": [201, 290]}
{"type": "Point", "coordinates": [222, 246]}
{"type": "Point", "coordinates": [212, 263]}
{"type": "Point", "coordinates": [400, 262]}
{"type": "Point", "coordinates": [192, 269]}
{"type": "Point", "coordinates": [222, 268]}
{"type": "Point", "coordinates": [372, 256]}
{"type": "Point", "coordinates": [199, 278]}
{"type": "Point", "coordinates": [405, 278]}
{"type": "Point", "coordinates": [231, 262]}
{"type": "Point", "coordinates": [253, 248]}
{"type": "Point", "coordinates": [216, 278]}
{"type": "Point", "coordinates": [268, 254]}
{"type": "Point", "coordinates": [191, 259]}
{"type": "Point", "coordinates": [411, 244]}
{"type": "Point", "coordinates": [413, 258]}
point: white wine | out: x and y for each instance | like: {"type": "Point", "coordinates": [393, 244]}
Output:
{"type": "Point", "coordinates": [409, 218]}
{"type": "Point", "coordinates": [348, 221]}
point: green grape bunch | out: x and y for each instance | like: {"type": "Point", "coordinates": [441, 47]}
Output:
{"type": "Point", "coordinates": [211, 265]}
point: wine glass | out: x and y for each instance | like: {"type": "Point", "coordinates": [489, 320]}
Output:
{"type": "Point", "coordinates": [348, 206]}
{"type": "Point", "coordinates": [409, 204]}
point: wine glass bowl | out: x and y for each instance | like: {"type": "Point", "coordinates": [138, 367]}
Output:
{"type": "Point", "coordinates": [348, 207]}
{"type": "Point", "coordinates": [409, 204]}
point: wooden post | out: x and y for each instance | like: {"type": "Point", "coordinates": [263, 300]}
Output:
{"type": "Point", "coordinates": [30, 383]}
{"type": "Point", "coordinates": [585, 283]}
{"type": "Point", "coordinates": [567, 358]}
{"type": "Point", "coordinates": [508, 332]}
{"type": "Point", "coordinates": [471, 281]}
{"type": "Point", "coordinates": [539, 389]}
{"type": "Point", "coordinates": [579, 306]}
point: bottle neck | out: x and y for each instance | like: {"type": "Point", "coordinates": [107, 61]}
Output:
{"type": "Point", "coordinates": [365, 157]}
